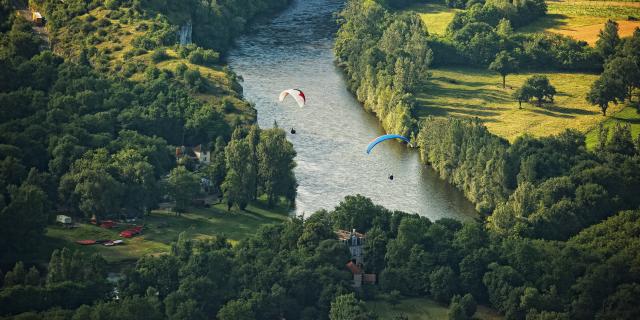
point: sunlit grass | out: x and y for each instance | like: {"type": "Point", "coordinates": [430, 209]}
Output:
{"type": "Point", "coordinates": [468, 93]}
{"type": "Point", "coordinates": [628, 115]}
{"type": "Point", "coordinates": [582, 20]}
{"type": "Point", "coordinates": [435, 16]}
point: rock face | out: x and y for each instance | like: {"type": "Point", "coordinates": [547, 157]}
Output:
{"type": "Point", "coordinates": [185, 33]}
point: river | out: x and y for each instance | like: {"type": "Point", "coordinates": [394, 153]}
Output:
{"type": "Point", "coordinates": [294, 50]}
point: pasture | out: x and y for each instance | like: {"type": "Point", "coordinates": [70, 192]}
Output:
{"type": "Point", "coordinates": [469, 92]}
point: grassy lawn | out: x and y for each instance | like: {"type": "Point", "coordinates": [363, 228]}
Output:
{"type": "Point", "coordinates": [583, 20]}
{"type": "Point", "coordinates": [468, 92]}
{"type": "Point", "coordinates": [422, 309]}
{"type": "Point", "coordinates": [436, 16]}
{"type": "Point", "coordinates": [628, 115]}
{"type": "Point", "coordinates": [160, 229]}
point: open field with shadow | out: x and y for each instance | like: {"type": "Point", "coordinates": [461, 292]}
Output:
{"type": "Point", "coordinates": [468, 93]}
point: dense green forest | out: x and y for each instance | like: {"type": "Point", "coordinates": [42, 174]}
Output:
{"type": "Point", "coordinates": [547, 201]}
{"type": "Point", "coordinates": [94, 125]}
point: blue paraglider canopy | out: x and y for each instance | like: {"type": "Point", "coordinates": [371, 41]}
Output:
{"type": "Point", "coordinates": [383, 138]}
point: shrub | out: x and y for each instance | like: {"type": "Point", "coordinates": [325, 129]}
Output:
{"type": "Point", "coordinates": [204, 57]}
{"type": "Point", "coordinates": [159, 55]}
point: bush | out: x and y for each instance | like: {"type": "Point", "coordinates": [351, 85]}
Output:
{"type": "Point", "coordinates": [204, 57]}
{"type": "Point", "coordinates": [159, 55]}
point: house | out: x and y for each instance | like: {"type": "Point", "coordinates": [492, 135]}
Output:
{"type": "Point", "coordinates": [63, 219]}
{"type": "Point", "coordinates": [355, 241]}
{"type": "Point", "coordinates": [202, 156]}
{"type": "Point", "coordinates": [197, 152]}
{"type": "Point", "coordinates": [36, 17]}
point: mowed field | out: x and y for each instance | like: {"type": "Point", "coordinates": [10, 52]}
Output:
{"type": "Point", "coordinates": [422, 309]}
{"type": "Point", "coordinates": [469, 92]}
{"type": "Point", "coordinates": [160, 229]}
{"type": "Point", "coordinates": [436, 16]}
{"type": "Point", "coordinates": [583, 20]}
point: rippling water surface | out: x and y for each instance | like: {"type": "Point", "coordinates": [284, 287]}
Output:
{"type": "Point", "coordinates": [294, 50]}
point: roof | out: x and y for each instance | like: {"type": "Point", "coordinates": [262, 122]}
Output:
{"type": "Point", "coordinates": [37, 15]}
{"type": "Point", "coordinates": [346, 235]}
{"type": "Point", "coordinates": [354, 268]}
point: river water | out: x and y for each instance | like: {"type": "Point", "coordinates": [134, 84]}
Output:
{"type": "Point", "coordinates": [294, 50]}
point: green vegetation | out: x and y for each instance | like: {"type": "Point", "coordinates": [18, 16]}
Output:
{"type": "Point", "coordinates": [421, 309]}
{"type": "Point", "coordinates": [627, 116]}
{"type": "Point", "coordinates": [470, 92]}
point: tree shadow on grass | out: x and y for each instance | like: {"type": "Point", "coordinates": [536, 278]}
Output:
{"type": "Point", "coordinates": [549, 21]}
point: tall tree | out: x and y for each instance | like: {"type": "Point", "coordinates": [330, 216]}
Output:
{"type": "Point", "coordinates": [504, 64]}
{"type": "Point", "coordinates": [275, 165]}
{"type": "Point", "coordinates": [627, 70]}
{"type": "Point", "coordinates": [241, 175]}
{"type": "Point", "coordinates": [606, 89]}
{"type": "Point", "coordinates": [182, 187]}
{"type": "Point", "coordinates": [608, 39]}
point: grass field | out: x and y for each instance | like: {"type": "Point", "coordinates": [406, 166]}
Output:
{"type": "Point", "coordinates": [583, 20]}
{"type": "Point", "coordinates": [422, 309]}
{"type": "Point", "coordinates": [628, 115]}
{"type": "Point", "coordinates": [467, 92]}
{"type": "Point", "coordinates": [436, 16]}
{"type": "Point", "coordinates": [160, 229]}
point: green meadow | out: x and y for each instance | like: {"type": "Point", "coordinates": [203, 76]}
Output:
{"type": "Point", "coordinates": [470, 93]}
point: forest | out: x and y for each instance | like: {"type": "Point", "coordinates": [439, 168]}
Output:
{"type": "Point", "coordinates": [98, 112]}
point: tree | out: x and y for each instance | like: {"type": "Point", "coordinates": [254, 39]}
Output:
{"type": "Point", "coordinates": [347, 307]}
{"type": "Point", "coordinates": [626, 70]}
{"type": "Point", "coordinates": [443, 284]}
{"type": "Point", "coordinates": [237, 310]}
{"type": "Point", "coordinates": [504, 64]}
{"type": "Point", "coordinates": [275, 165]}
{"type": "Point", "coordinates": [537, 87]}
{"type": "Point", "coordinates": [608, 39]}
{"type": "Point", "coordinates": [23, 219]}
{"type": "Point", "coordinates": [607, 88]}
{"type": "Point", "coordinates": [504, 28]}
{"type": "Point", "coordinates": [241, 175]}
{"type": "Point", "coordinates": [182, 187]}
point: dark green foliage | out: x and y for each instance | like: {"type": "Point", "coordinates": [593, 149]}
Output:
{"type": "Point", "coordinates": [537, 87]}
{"type": "Point", "coordinates": [608, 39]}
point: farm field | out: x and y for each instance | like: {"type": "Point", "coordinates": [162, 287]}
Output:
{"type": "Point", "coordinates": [468, 92]}
{"type": "Point", "coordinates": [435, 16]}
{"type": "Point", "coordinates": [583, 20]}
{"type": "Point", "coordinates": [160, 229]}
{"type": "Point", "coordinates": [628, 115]}
{"type": "Point", "coordinates": [422, 309]}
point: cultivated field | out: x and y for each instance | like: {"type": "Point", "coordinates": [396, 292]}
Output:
{"type": "Point", "coordinates": [422, 309]}
{"type": "Point", "coordinates": [436, 16]}
{"type": "Point", "coordinates": [467, 92]}
{"type": "Point", "coordinates": [583, 20]}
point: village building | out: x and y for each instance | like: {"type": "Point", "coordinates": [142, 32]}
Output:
{"type": "Point", "coordinates": [197, 152]}
{"type": "Point", "coordinates": [355, 242]}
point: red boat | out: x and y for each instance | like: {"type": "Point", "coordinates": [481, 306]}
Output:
{"type": "Point", "coordinates": [129, 233]}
